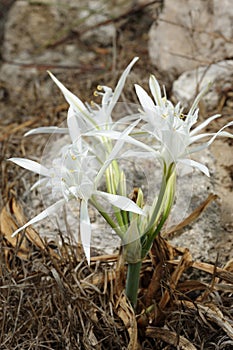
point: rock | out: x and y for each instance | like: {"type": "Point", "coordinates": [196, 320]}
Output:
{"type": "Point", "coordinates": [39, 25]}
{"type": "Point", "coordinates": [44, 29]}
{"type": "Point", "coordinates": [220, 75]}
{"type": "Point", "coordinates": [193, 34]}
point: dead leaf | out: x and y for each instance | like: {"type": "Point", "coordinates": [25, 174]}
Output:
{"type": "Point", "coordinates": [8, 226]}
{"type": "Point", "coordinates": [127, 315]}
{"type": "Point", "coordinates": [13, 128]}
{"type": "Point", "coordinates": [213, 313]}
{"type": "Point", "coordinates": [209, 268]}
{"type": "Point", "coordinates": [170, 337]}
{"type": "Point", "coordinates": [174, 230]}
{"type": "Point", "coordinates": [11, 218]}
{"type": "Point", "coordinates": [184, 263]}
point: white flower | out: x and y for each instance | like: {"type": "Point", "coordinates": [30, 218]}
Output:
{"type": "Point", "coordinates": [82, 119]}
{"type": "Point", "coordinates": [76, 175]}
{"type": "Point", "coordinates": [173, 129]}
{"type": "Point", "coordinates": [88, 117]}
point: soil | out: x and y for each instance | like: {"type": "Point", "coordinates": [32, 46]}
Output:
{"type": "Point", "coordinates": [28, 99]}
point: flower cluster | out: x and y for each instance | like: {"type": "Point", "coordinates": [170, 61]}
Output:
{"type": "Point", "coordinates": [80, 166]}
{"type": "Point", "coordinates": [92, 155]}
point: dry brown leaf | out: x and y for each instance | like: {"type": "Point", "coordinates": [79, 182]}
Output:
{"type": "Point", "coordinates": [209, 268]}
{"type": "Point", "coordinates": [174, 230]}
{"type": "Point", "coordinates": [229, 266]}
{"type": "Point", "coordinates": [30, 233]}
{"type": "Point", "coordinates": [213, 313]}
{"type": "Point", "coordinates": [8, 226]}
{"type": "Point", "coordinates": [12, 217]}
{"type": "Point", "coordinates": [127, 315]}
{"type": "Point", "coordinates": [170, 337]}
{"type": "Point", "coordinates": [13, 128]}
{"type": "Point", "coordinates": [184, 263]}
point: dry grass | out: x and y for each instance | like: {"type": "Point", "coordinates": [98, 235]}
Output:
{"type": "Point", "coordinates": [51, 299]}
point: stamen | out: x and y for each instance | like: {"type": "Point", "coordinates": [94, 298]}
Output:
{"type": "Point", "coordinates": [73, 157]}
{"type": "Point", "coordinates": [99, 88]}
{"type": "Point", "coordinates": [182, 116]}
{"type": "Point", "coordinates": [95, 93]}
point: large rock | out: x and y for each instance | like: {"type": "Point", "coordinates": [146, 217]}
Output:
{"type": "Point", "coordinates": [36, 38]}
{"type": "Point", "coordinates": [191, 33]}
{"type": "Point", "coordinates": [220, 75]}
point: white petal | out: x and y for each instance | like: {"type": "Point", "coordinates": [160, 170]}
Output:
{"type": "Point", "coordinates": [145, 100]}
{"type": "Point", "coordinates": [120, 85]}
{"type": "Point", "coordinates": [39, 183]}
{"type": "Point", "coordinates": [115, 135]}
{"type": "Point", "coordinates": [73, 100]}
{"type": "Point", "coordinates": [155, 90]}
{"type": "Point", "coordinates": [195, 164]}
{"type": "Point", "coordinates": [115, 151]}
{"type": "Point", "coordinates": [73, 125]}
{"type": "Point", "coordinates": [199, 137]}
{"type": "Point", "coordinates": [31, 165]}
{"type": "Point", "coordinates": [85, 229]}
{"type": "Point", "coordinates": [121, 202]}
{"type": "Point", "coordinates": [45, 213]}
{"type": "Point", "coordinates": [47, 130]}
{"type": "Point", "coordinates": [198, 98]}
{"type": "Point", "coordinates": [208, 143]}
{"type": "Point", "coordinates": [138, 154]}
{"type": "Point", "coordinates": [204, 124]}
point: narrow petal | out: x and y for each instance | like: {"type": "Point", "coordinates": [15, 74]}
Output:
{"type": "Point", "coordinates": [115, 135]}
{"type": "Point", "coordinates": [208, 143]}
{"type": "Point", "coordinates": [47, 130]}
{"type": "Point", "coordinates": [73, 100]}
{"type": "Point", "coordinates": [144, 99]}
{"type": "Point", "coordinates": [115, 151]}
{"type": "Point", "coordinates": [195, 164]}
{"type": "Point", "coordinates": [204, 124]}
{"type": "Point", "coordinates": [73, 125]}
{"type": "Point", "coordinates": [85, 229]}
{"type": "Point", "coordinates": [201, 136]}
{"type": "Point", "coordinates": [121, 202]}
{"type": "Point", "coordinates": [39, 183]}
{"type": "Point", "coordinates": [31, 165]}
{"type": "Point", "coordinates": [198, 98]}
{"type": "Point", "coordinates": [155, 90]}
{"type": "Point", "coordinates": [196, 138]}
{"type": "Point", "coordinates": [120, 85]}
{"type": "Point", "coordinates": [138, 154]}
{"type": "Point", "coordinates": [45, 213]}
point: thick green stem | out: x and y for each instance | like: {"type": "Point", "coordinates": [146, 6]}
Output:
{"type": "Point", "coordinates": [132, 282]}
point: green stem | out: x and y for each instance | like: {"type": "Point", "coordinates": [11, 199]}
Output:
{"type": "Point", "coordinates": [170, 194]}
{"type": "Point", "coordinates": [106, 217]}
{"type": "Point", "coordinates": [167, 173]}
{"type": "Point", "coordinates": [132, 282]}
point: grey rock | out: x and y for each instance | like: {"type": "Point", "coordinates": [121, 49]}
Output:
{"type": "Point", "coordinates": [219, 74]}
{"type": "Point", "coordinates": [191, 33]}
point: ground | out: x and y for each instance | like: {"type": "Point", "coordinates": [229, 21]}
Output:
{"type": "Point", "coordinates": [36, 276]}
